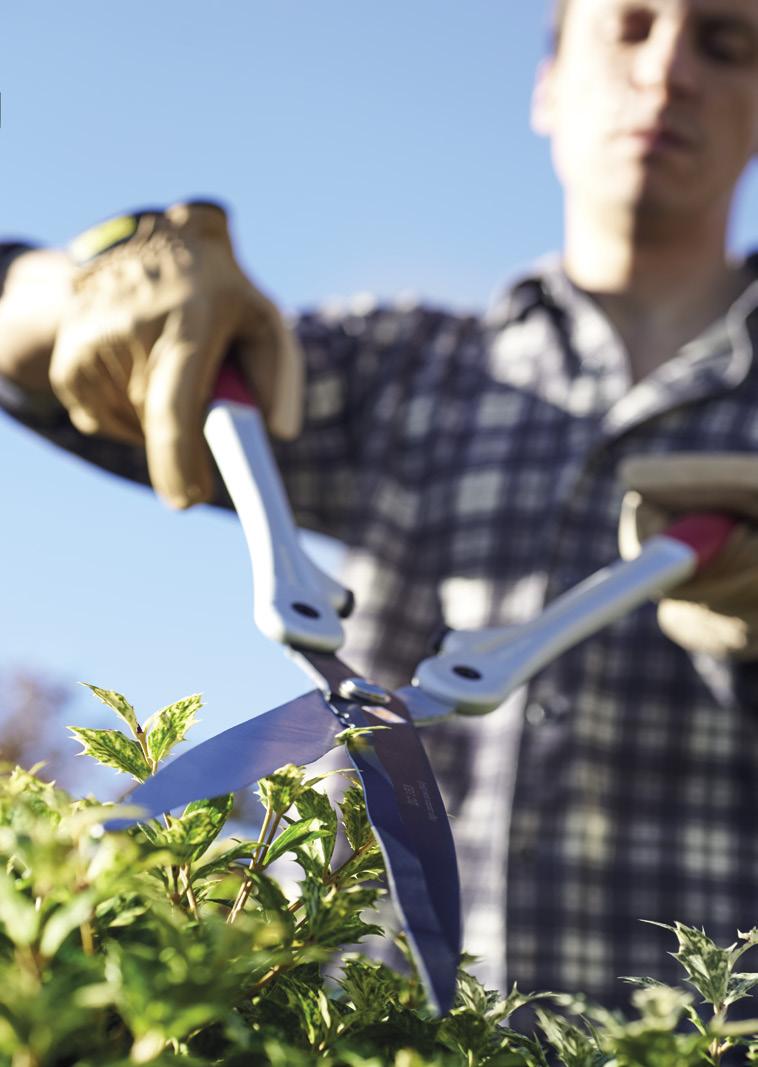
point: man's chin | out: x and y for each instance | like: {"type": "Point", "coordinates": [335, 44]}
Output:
{"type": "Point", "coordinates": [647, 203]}
{"type": "Point", "coordinates": [668, 202]}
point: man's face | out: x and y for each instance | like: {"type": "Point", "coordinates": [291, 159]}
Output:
{"type": "Point", "coordinates": [652, 106]}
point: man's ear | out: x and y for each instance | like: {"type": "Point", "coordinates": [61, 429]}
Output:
{"type": "Point", "coordinates": [543, 98]}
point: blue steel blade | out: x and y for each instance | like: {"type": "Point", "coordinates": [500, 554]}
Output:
{"type": "Point", "coordinates": [300, 731]}
{"type": "Point", "coordinates": [413, 831]}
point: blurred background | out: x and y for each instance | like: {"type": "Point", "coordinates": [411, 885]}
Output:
{"type": "Point", "coordinates": [360, 148]}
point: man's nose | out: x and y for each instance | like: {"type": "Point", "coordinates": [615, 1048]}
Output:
{"type": "Point", "coordinates": [667, 61]}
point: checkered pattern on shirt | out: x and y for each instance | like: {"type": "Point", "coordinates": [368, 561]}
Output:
{"type": "Point", "coordinates": [470, 465]}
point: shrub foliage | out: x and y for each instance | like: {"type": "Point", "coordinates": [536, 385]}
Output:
{"type": "Point", "coordinates": [169, 942]}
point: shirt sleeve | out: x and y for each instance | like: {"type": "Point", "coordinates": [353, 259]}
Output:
{"type": "Point", "coordinates": [368, 367]}
{"type": "Point", "coordinates": [353, 354]}
{"type": "Point", "coordinates": [328, 349]}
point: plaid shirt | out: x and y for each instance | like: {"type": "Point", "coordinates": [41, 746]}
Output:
{"type": "Point", "coordinates": [470, 465]}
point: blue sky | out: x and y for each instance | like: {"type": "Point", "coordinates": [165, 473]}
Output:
{"type": "Point", "coordinates": [360, 147]}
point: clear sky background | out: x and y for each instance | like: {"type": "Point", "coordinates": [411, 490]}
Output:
{"type": "Point", "coordinates": [381, 147]}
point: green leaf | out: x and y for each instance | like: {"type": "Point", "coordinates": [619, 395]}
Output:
{"type": "Point", "coordinates": [116, 703]}
{"type": "Point", "coordinates": [643, 983]}
{"type": "Point", "coordinates": [365, 866]}
{"type": "Point", "coordinates": [472, 995]}
{"type": "Point", "coordinates": [167, 727]}
{"type": "Point", "coordinates": [741, 985]}
{"type": "Point", "coordinates": [638, 1047]}
{"type": "Point", "coordinates": [279, 1054]}
{"type": "Point", "coordinates": [370, 987]}
{"type": "Point", "coordinates": [273, 905]}
{"type": "Point", "coordinates": [311, 1008]}
{"type": "Point", "coordinates": [504, 1008]}
{"type": "Point", "coordinates": [65, 919]}
{"type": "Point", "coordinates": [750, 938]}
{"type": "Point", "coordinates": [222, 861]}
{"type": "Point", "coordinates": [18, 915]}
{"type": "Point", "coordinates": [268, 892]}
{"type": "Point", "coordinates": [127, 916]}
{"type": "Point", "coordinates": [204, 820]}
{"type": "Point", "coordinates": [708, 967]}
{"type": "Point", "coordinates": [315, 805]}
{"type": "Point", "coordinates": [334, 913]}
{"type": "Point", "coordinates": [113, 749]}
{"type": "Point", "coordinates": [575, 1046]}
{"type": "Point", "coordinates": [300, 833]}
{"type": "Point", "coordinates": [280, 790]}
{"type": "Point", "coordinates": [355, 820]}
{"type": "Point", "coordinates": [356, 735]}
{"type": "Point", "coordinates": [189, 836]}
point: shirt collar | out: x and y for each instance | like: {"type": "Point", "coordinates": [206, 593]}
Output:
{"type": "Point", "coordinates": [592, 336]}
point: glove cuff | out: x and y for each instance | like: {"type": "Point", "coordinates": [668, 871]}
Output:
{"type": "Point", "coordinates": [202, 217]}
{"type": "Point", "coordinates": [10, 249]}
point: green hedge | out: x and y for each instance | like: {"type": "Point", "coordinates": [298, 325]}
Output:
{"type": "Point", "coordinates": [168, 942]}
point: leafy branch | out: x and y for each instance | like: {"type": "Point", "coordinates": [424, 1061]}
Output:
{"type": "Point", "coordinates": [172, 942]}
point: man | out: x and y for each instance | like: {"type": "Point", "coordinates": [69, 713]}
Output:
{"type": "Point", "coordinates": [477, 469]}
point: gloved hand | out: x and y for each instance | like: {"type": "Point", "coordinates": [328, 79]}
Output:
{"type": "Point", "coordinates": [157, 302]}
{"type": "Point", "coordinates": [35, 291]}
{"type": "Point", "coordinates": [716, 611]}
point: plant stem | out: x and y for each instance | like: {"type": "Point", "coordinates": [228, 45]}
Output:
{"type": "Point", "coordinates": [244, 892]}
{"type": "Point", "coordinates": [716, 1049]}
{"type": "Point", "coordinates": [88, 943]}
{"type": "Point", "coordinates": [189, 891]}
{"type": "Point", "coordinates": [271, 823]}
{"type": "Point", "coordinates": [24, 1057]}
{"type": "Point", "coordinates": [264, 841]}
{"type": "Point", "coordinates": [278, 969]}
{"type": "Point", "coordinates": [29, 961]}
{"type": "Point", "coordinates": [267, 977]}
{"type": "Point", "coordinates": [176, 895]}
{"type": "Point", "coordinates": [333, 876]}
{"type": "Point", "coordinates": [141, 736]}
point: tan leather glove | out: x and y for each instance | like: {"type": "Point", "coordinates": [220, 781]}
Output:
{"type": "Point", "coordinates": [35, 291]}
{"type": "Point", "coordinates": [715, 611]}
{"type": "Point", "coordinates": [157, 303]}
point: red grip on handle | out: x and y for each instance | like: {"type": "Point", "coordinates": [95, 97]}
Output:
{"type": "Point", "coordinates": [230, 385]}
{"type": "Point", "coordinates": [705, 533]}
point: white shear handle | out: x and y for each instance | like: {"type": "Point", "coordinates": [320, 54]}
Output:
{"type": "Point", "coordinates": [475, 673]}
{"type": "Point", "coordinates": [295, 602]}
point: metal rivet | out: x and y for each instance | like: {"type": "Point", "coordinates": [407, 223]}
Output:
{"type": "Point", "coordinates": [360, 690]}
{"type": "Point", "coordinates": [535, 714]}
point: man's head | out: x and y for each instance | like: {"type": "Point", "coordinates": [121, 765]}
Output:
{"type": "Point", "coordinates": [651, 105]}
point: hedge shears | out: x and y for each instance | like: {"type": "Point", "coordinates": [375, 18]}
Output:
{"type": "Point", "coordinates": [300, 606]}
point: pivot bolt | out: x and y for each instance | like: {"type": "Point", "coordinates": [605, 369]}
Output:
{"type": "Point", "coordinates": [363, 692]}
